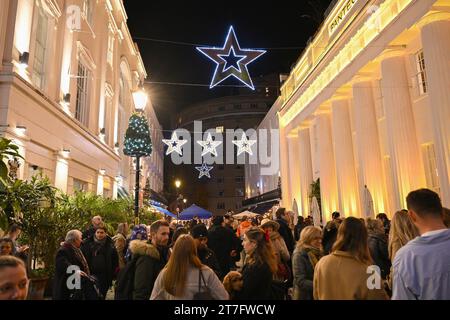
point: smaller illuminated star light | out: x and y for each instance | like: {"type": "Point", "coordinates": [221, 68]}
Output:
{"type": "Point", "coordinates": [209, 146]}
{"type": "Point", "coordinates": [174, 144]}
{"type": "Point", "coordinates": [244, 145]}
{"type": "Point", "coordinates": [231, 60]}
{"type": "Point", "coordinates": [204, 171]}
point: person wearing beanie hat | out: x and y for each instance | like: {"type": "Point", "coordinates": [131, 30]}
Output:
{"type": "Point", "coordinates": [206, 255]}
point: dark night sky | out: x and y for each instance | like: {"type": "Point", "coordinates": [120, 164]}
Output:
{"type": "Point", "coordinates": [258, 24]}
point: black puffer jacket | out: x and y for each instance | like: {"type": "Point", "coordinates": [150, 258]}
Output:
{"type": "Point", "coordinates": [378, 248]}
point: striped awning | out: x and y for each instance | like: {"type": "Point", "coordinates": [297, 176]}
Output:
{"type": "Point", "coordinates": [122, 193]}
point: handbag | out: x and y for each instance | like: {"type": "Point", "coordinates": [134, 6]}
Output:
{"type": "Point", "coordinates": [202, 295]}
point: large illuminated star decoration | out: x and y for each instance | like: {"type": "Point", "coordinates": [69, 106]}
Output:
{"type": "Point", "coordinates": [204, 171]}
{"type": "Point", "coordinates": [174, 144]}
{"type": "Point", "coordinates": [244, 145]}
{"type": "Point", "coordinates": [209, 146]}
{"type": "Point", "coordinates": [231, 60]}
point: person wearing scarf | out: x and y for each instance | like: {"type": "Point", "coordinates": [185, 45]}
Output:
{"type": "Point", "coordinates": [101, 257]}
{"type": "Point", "coordinates": [69, 261]}
{"type": "Point", "coordinates": [306, 255]}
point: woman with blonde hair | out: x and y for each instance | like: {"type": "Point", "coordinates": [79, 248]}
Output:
{"type": "Point", "coordinates": [185, 277]}
{"type": "Point", "coordinates": [306, 255]}
{"type": "Point", "coordinates": [260, 266]}
{"type": "Point", "coordinates": [402, 231]}
{"type": "Point", "coordinates": [343, 275]}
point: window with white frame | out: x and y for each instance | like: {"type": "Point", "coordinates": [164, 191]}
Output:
{"type": "Point", "coordinates": [40, 49]}
{"type": "Point", "coordinates": [107, 119]}
{"type": "Point", "coordinates": [421, 73]}
{"type": "Point", "coordinates": [82, 103]}
{"type": "Point", "coordinates": [34, 170]}
{"type": "Point", "coordinates": [79, 185]}
{"type": "Point", "coordinates": [431, 172]}
{"type": "Point", "coordinates": [110, 56]}
{"type": "Point", "coordinates": [88, 8]}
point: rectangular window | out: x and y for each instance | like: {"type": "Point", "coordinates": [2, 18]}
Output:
{"type": "Point", "coordinates": [431, 172]}
{"type": "Point", "coordinates": [88, 10]}
{"type": "Point", "coordinates": [239, 179]}
{"type": "Point", "coordinates": [220, 205]}
{"type": "Point", "coordinates": [107, 119]}
{"type": "Point", "coordinates": [221, 193]}
{"type": "Point", "coordinates": [79, 185]}
{"type": "Point", "coordinates": [110, 56]}
{"type": "Point", "coordinates": [253, 106]}
{"type": "Point", "coordinates": [219, 129]}
{"type": "Point", "coordinates": [82, 107]}
{"type": "Point", "coordinates": [40, 49]}
{"type": "Point", "coordinates": [237, 107]}
{"type": "Point", "coordinates": [239, 192]}
{"type": "Point", "coordinates": [421, 73]}
{"type": "Point", "coordinates": [34, 170]}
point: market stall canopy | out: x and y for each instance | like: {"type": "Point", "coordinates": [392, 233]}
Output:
{"type": "Point", "coordinates": [247, 214]}
{"type": "Point", "coordinates": [164, 211]}
{"type": "Point", "coordinates": [192, 211]}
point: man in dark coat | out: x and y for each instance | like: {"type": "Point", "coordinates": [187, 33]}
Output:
{"type": "Point", "coordinates": [69, 258]}
{"type": "Point", "coordinates": [101, 257]}
{"type": "Point", "coordinates": [206, 255]}
{"type": "Point", "coordinates": [330, 232]}
{"type": "Point", "coordinates": [96, 222]}
{"type": "Point", "coordinates": [284, 230]}
{"type": "Point", "coordinates": [149, 259]}
{"type": "Point", "coordinates": [223, 242]}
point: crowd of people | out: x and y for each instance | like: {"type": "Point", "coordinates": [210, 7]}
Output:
{"type": "Point", "coordinates": [265, 258]}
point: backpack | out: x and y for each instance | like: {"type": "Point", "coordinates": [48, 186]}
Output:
{"type": "Point", "coordinates": [125, 281]}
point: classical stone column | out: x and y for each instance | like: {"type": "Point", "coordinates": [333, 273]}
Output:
{"type": "Point", "coordinates": [284, 169]}
{"type": "Point", "coordinates": [326, 165]}
{"type": "Point", "coordinates": [436, 48]}
{"type": "Point", "coordinates": [367, 141]}
{"type": "Point", "coordinates": [306, 175]}
{"type": "Point", "coordinates": [407, 169]}
{"type": "Point", "coordinates": [344, 158]}
{"type": "Point", "coordinates": [294, 170]}
{"type": "Point", "coordinates": [61, 172]}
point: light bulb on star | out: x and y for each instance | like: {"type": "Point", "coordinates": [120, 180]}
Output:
{"type": "Point", "coordinates": [204, 170]}
{"type": "Point", "coordinates": [231, 51]}
{"type": "Point", "coordinates": [174, 144]}
{"type": "Point", "coordinates": [244, 145]}
{"type": "Point", "coordinates": [209, 146]}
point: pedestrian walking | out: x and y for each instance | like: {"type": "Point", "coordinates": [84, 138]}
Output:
{"type": "Point", "coordinates": [149, 259]}
{"type": "Point", "coordinates": [279, 247]}
{"type": "Point", "coordinates": [186, 278]}
{"type": "Point", "coordinates": [421, 267]}
{"type": "Point", "coordinates": [121, 243]}
{"type": "Point", "coordinates": [284, 230]}
{"type": "Point", "coordinates": [343, 275]}
{"type": "Point", "coordinates": [259, 268]}
{"type": "Point", "coordinates": [206, 255]}
{"type": "Point", "coordinates": [330, 232]}
{"type": "Point", "coordinates": [101, 256]}
{"type": "Point", "coordinates": [223, 242]}
{"type": "Point", "coordinates": [95, 222]}
{"type": "Point", "coordinates": [378, 246]}
{"type": "Point", "coordinates": [304, 260]}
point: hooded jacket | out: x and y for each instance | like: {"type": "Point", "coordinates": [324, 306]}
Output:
{"type": "Point", "coordinates": [149, 262]}
{"type": "Point", "coordinates": [422, 268]}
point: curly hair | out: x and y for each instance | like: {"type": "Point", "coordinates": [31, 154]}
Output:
{"type": "Point", "coordinates": [263, 252]}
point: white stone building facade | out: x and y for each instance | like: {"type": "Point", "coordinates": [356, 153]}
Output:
{"type": "Point", "coordinates": [67, 75]}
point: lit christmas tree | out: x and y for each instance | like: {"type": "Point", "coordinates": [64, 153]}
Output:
{"type": "Point", "coordinates": [137, 138]}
